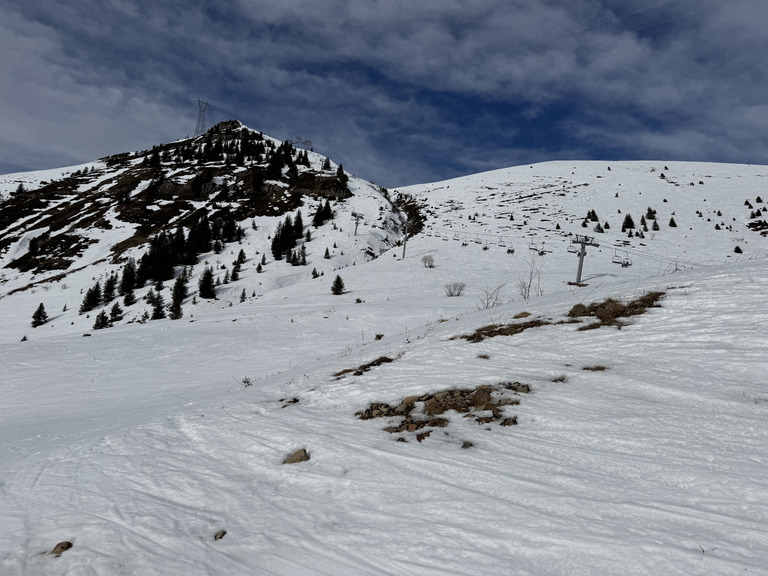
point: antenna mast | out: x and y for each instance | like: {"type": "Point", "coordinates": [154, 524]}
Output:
{"type": "Point", "coordinates": [202, 107]}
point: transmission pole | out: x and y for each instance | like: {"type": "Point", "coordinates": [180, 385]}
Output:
{"type": "Point", "coordinates": [584, 241]}
{"type": "Point", "coordinates": [202, 107]}
{"type": "Point", "coordinates": [357, 217]}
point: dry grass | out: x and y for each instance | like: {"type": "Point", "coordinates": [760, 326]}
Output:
{"type": "Point", "coordinates": [363, 367]}
{"type": "Point", "coordinates": [610, 312]}
{"type": "Point", "coordinates": [483, 404]}
{"type": "Point", "coordinates": [598, 368]}
{"type": "Point", "coordinates": [492, 330]}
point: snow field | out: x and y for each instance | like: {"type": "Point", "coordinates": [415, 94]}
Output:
{"type": "Point", "coordinates": [628, 470]}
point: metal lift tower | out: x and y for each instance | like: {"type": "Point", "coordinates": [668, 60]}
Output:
{"type": "Point", "coordinates": [584, 241]}
{"type": "Point", "coordinates": [202, 107]}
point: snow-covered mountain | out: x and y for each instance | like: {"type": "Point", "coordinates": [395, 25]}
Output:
{"type": "Point", "coordinates": [486, 432]}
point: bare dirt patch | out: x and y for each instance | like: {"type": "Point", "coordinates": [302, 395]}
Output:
{"type": "Point", "coordinates": [484, 404]}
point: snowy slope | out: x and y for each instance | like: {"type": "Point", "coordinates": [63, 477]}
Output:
{"type": "Point", "coordinates": [140, 442]}
{"type": "Point", "coordinates": [139, 461]}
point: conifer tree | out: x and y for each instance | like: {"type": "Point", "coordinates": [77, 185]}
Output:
{"type": "Point", "coordinates": [175, 311]}
{"type": "Point", "coordinates": [179, 291]}
{"type": "Point", "coordinates": [115, 313]}
{"type": "Point", "coordinates": [672, 223]}
{"type": "Point", "coordinates": [102, 321]}
{"type": "Point", "coordinates": [337, 287]}
{"type": "Point", "coordinates": [129, 299]}
{"type": "Point", "coordinates": [298, 225]}
{"type": "Point", "coordinates": [40, 316]}
{"type": "Point", "coordinates": [158, 309]}
{"type": "Point", "coordinates": [92, 298]}
{"type": "Point", "coordinates": [128, 280]}
{"type": "Point", "coordinates": [110, 284]}
{"type": "Point", "coordinates": [206, 286]}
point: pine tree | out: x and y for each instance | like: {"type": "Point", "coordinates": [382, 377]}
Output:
{"type": "Point", "coordinates": [298, 225]}
{"type": "Point", "coordinates": [175, 311]}
{"type": "Point", "coordinates": [158, 309]}
{"type": "Point", "coordinates": [179, 291]}
{"type": "Point", "coordinates": [628, 223]}
{"type": "Point", "coordinates": [337, 287]}
{"type": "Point", "coordinates": [92, 298]}
{"type": "Point", "coordinates": [655, 226]}
{"type": "Point", "coordinates": [128, 280]}
{"type": "Point", "coordinates": [115, 313]}
{"type": "Point", "coordinates": [102, 321]}
{"type": "Point", "coordinates": [242, 296]}
{"type": "Point", "coordinates": [672, 223]}
{"type": "Point", "coordinates": [40, 316]}
{"type": "Point", "coordinates": [129, 299]}
{"type": "Point", "coordinates": [327, 254]}
{"type": "Point", "coordinates": [206, 287]}
{"type": "Point", "coordinates": [326, 164]}
{"type": "Point", "coordinates": [109, 288]}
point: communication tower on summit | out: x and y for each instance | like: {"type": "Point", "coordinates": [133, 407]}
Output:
{"type": "Point", "coordinates": [202, 107]}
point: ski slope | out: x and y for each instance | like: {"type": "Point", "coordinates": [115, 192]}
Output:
{"type": "Point", "coordinates": [139, 443]}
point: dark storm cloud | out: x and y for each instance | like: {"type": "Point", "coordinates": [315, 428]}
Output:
{"type": "Point", "coordinates": [399, 91]}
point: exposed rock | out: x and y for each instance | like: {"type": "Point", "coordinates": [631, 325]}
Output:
{"type": "Point", "coordinates": [518, 387]}
{"type": "Point", "coordinates": [61, 547]}
{"type": "Point", "coordinates": [220, 534]}
{"type": "Point", "coordinates": [298, 456]}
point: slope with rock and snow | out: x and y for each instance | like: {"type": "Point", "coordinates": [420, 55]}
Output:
{"type": "Point", "coordinates": [482, 432]}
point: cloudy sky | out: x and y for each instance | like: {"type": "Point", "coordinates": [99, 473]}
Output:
{"type": "Point", "coordinates": [399, 91]}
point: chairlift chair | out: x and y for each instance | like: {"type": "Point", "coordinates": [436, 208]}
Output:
{"type": "Point", "coordinates": [623, 260]}
{"type": "Point", "coordinates": [572, 249]}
